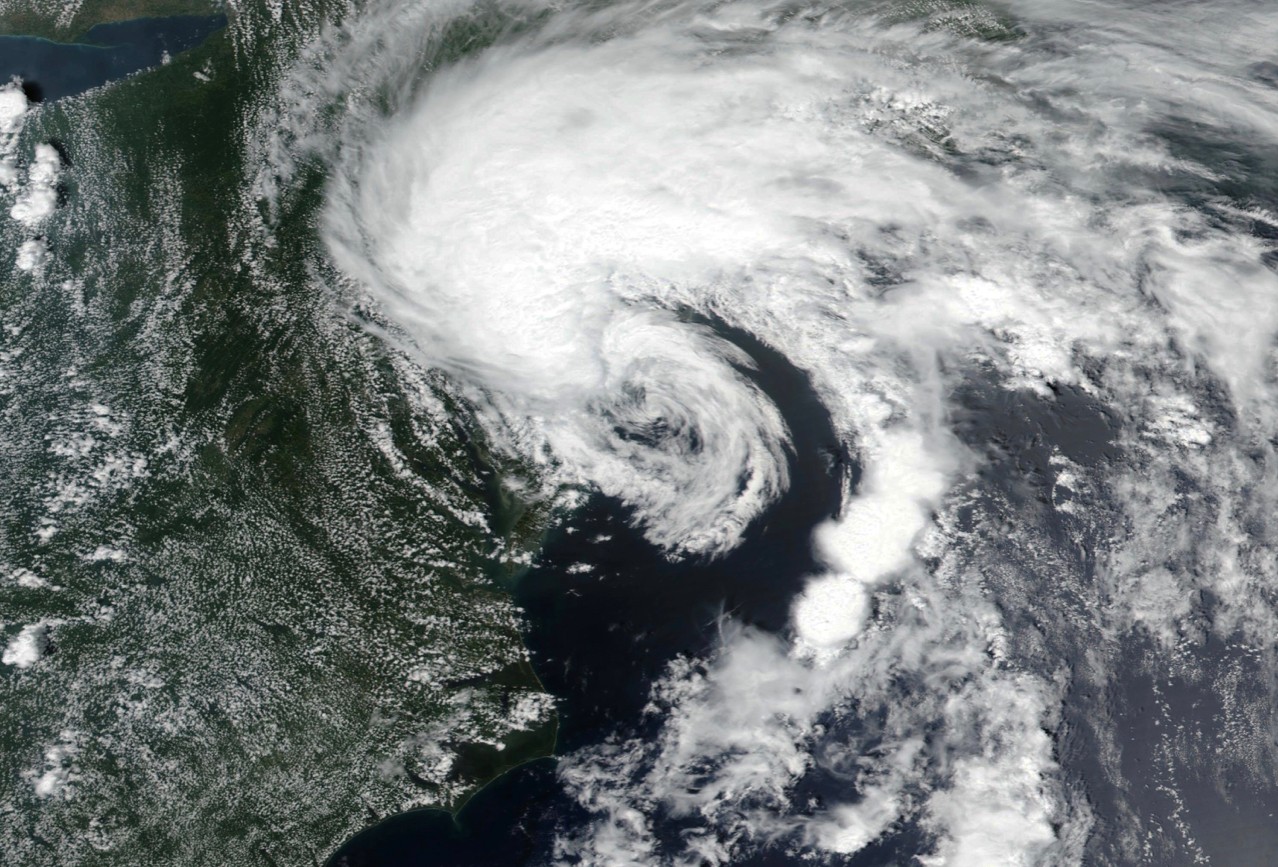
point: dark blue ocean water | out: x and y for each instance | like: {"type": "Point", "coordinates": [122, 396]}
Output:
{"type": "Point", "coordinates": [51, 70]}
{"type": "Point", "coordinates": [600, 639]}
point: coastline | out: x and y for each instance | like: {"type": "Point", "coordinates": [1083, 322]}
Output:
{"type": "Point", "coordinates": [38, 21]}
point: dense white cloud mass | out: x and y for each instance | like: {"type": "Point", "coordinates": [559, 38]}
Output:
{"type": "Point", "coordinates": [40, 196]}
{"type": "Point", "coordinates": [31, 255]}
{"type": "Point", "coordinates": [35, 201]}
{"type": "Point", "coordinates": [902, 210]}
{"type": "Point", "coordinates": [27, 646]}
{"type": "Point", "coordinates": [13, 110]}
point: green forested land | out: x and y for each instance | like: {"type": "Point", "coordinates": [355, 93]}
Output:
{"type": "Point", "coordinates": [270, 560]}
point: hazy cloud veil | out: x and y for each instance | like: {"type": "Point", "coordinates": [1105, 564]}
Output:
{"type": "Point", "coordinates": [908, 206]}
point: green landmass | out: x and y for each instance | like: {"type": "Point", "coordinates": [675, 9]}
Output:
{"type": "Point", "coordinates": [971, 18]}
{"type": "Point", "coordinates": [272, 552]}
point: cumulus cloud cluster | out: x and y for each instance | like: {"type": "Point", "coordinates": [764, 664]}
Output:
{"type": "Point", "coordinates": [13, 110]}
{"type": "Point", "coordinates": [37, 198]}
{"type": "Point", "coordinates": [40, 196]}
{"type": "Point", "coordinates": [27, 646]}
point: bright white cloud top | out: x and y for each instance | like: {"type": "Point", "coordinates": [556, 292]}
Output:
{"type": "Point", "coordinates": [901, 211]}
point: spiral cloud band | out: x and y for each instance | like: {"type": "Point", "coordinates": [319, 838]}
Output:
{"type": "Point", "coordinates": [907, 207]}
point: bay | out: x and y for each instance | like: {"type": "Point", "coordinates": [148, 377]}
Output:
{"type": "Point", "coordinates": [53, 70]}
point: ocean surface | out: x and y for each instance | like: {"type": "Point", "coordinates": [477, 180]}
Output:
{"type": "Point", "coordinates": [600, 638]}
